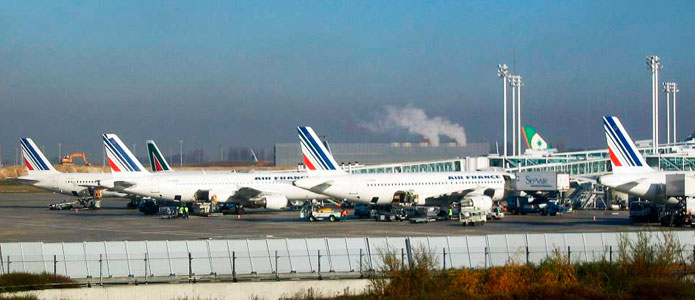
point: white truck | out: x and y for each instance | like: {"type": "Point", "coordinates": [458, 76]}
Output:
{"type": "Point", "coordinates": [470, 214]}
{"type": "Point", "coordinates": [315, 213]}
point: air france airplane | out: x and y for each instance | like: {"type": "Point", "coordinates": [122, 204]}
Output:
{"type": "Point", "coordinates": [394, 188]}
{"type": "Point", "coordinates": [249, 190]}
{"type": "Point", "coordinates": [42, 174]}
{"type": "Point", "coordinates": [631, 174]}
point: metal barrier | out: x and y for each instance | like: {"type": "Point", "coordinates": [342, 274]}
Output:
{"type": "Point", "coordinates": [253, 257]}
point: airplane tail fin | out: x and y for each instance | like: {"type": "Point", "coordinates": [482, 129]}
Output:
{"type": "Point", "coordinates": [534, 140]}
{"type": "Point", "coordinates": [34, 159]}
{"type": "Point", "coordinates": [118, 156]}
{"type": "Point", "coordinates": [624, 155]}
{"type": "Point", "coordinates": [315, 155]}
{"type": "Point", "coordinates": [157, 161]}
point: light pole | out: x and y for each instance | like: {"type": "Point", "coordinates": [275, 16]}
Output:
{"type": "Point", "coordinates": [180, 153]}
{"type": "Point", "coordinates": [60, 151]}
{"type": "Point", "coordinates": [515, 82]}
{"type": "Point", "coordinates": [674, 90]}
{"type": "Point", "coordinates": [655, 66]}
{"type": "Point", "coordinates": [667, 89]}
{"type": "Point", "coordinates": [503, 72]}
{"type": "Point", "coordinates": [671, 88]}
{"type": "Point", "coordinates": [511, 83]}
{"type": "Point", "coordinates": [518, 113]}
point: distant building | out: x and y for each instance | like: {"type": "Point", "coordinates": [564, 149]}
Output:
{"type": "Point", "coordinates": [289, 154]}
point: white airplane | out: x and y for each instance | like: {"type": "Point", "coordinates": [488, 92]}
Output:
{"type": "Point", "coordinates": [392, 188]}
{"type": "Point", "coordinates": [42, 174]}
{"type": "Point", "coordinates": [631, 174]}
{"type": "Point", "coordinates": [246, 190]}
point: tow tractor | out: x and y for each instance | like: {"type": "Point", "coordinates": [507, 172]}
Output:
{"type": "Point", "coordinates": [89, 202]}
{"type": "Point", "coordinates": [314, 212]}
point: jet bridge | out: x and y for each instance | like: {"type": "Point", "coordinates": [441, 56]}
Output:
{"type": "Point", "coordinates": [541, 192]}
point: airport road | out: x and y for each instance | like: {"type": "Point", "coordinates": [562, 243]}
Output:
{"type": "Point", "coordinates": [25, 217]}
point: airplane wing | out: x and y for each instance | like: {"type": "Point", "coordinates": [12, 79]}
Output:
{"type": "Point", "coordinates": [28, 181]}
{"type": "Point", "coordinates": [120, 184]}
{"type": "Point", "coordinates": [437, 199]}
{"type": "Point", "coordinates": [254, 198]}
{"type": "Point", "coordinates": [246, 193]}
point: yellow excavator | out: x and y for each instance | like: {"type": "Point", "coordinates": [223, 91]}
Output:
{"type": "Point", "coordinates": [70, 158]}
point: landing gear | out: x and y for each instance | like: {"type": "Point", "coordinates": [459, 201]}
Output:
{"type": "Point", "coordinates": [239, 210]}
{"type": "Point", "coordinates": [675, 215]}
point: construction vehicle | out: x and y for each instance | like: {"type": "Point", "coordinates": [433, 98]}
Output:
{"type": "Point", "coordinates": [70, 158]}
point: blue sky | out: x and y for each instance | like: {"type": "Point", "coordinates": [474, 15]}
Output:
{"type": "Point", "coordinates": [246, 73]}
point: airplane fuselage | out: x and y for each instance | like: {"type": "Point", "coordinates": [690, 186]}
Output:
{"type": "Point", "coordinates": [647, 185]}
{"type": "Point", "coordinates": [380, 189]}
{"type": "Point", "coordinates": [72, 184]}
{"type": "Point", "coordinates": [180, 186]}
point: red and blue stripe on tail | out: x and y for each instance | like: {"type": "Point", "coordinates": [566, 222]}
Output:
{"type": "Point", "coordinates": [622, 151]}
{"type": "Point", "coordinates": [119, 157]}
{"type": "Point", "coordinates": [34, 159]}
{"type": "Point", "coordinates": [315, 155]}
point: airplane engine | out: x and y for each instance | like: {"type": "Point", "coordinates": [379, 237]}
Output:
{"type": "Point", "coordinates": [481, 202]}
{"type": "Point", "coordinates": [275, 201]}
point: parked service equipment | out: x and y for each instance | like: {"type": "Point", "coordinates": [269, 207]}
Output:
{"type": "Point", "coordinates": [542, 181]}
{"type": "Point", "coordinates": [470, 214]}
{"type": "Point", "coordinates": [316, 213]}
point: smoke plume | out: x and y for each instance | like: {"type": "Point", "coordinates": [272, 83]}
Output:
{"type": "Point", "coordinates": [416, 121]}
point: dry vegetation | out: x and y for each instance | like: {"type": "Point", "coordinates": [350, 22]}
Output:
{"type": "Point", "coordinates": [643, 270]}
{"type": "Point", "coordinates": [14, 282]}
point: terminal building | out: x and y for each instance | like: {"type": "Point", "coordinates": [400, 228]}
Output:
{"type": "Point", "coordinates": [289, 154]}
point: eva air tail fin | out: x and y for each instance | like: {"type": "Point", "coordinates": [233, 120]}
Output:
{"type": "Point", "coordinates": [157, 161]}
{"type": "Point", "coordinates": [534, 140]}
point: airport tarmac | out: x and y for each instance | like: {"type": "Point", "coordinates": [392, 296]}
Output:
{"type": "Point", "coordinates": [25, 217]}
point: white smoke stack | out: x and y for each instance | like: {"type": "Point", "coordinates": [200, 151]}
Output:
{"type": "Point", "coordinates": [416, 121]}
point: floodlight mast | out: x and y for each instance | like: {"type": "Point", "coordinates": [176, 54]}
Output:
{"type": "Point", "coordinates": [511, 83]}
{"type": "Point", "coordinates": [515, 82]}
{"type": "Point", "coordinates": [655, 66]}
{"type": "Point", "coordinates": [503, 72]}
{"type": "Point", "coordinates": [675, 91]}
{"type": "Point", "coordinates": [518, 113]}
{"type": "Point", "coordinates": [667, 90]}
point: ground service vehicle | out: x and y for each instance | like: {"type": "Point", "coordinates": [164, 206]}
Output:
{"type": "Point", "coordinates": [316, 213]}
{"type": "Point", "coordinates": [470, 214]}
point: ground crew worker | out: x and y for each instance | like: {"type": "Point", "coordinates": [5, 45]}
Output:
{"type": "Point", "coordinates": [185, 212]}
{"type": "Point", "coordinates": [180, 211]}
{"type": "Point", "coordinates": [451, 213]}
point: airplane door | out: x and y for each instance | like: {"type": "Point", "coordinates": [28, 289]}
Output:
{"type": "Point", "coordinates": [155, 186]}
{"type": "Point", "coordinates": [353, 188]}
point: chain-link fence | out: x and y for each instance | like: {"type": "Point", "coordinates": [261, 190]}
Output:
{"type": "Point", "coordinates": [315, 256]}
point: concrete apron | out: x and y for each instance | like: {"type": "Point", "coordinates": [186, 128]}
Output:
{"type": "Point", "coordinates": [240, 290]}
